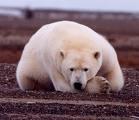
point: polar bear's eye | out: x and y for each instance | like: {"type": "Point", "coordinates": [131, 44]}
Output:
{"type": "Point", "coordinates": [85, 69]}
{"type": "Point", "coordinates": [97, 55]}
{"type": "Point", "coordinates": [71, 69]}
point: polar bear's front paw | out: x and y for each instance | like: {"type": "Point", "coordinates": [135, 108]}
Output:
{"type": "Point", "coordinates": [104, 85]}
{"type": "Point", "coordinates": [98, 85]}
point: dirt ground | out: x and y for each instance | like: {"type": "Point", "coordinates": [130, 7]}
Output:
{"type": "Point", "coordinates": [16, 104]}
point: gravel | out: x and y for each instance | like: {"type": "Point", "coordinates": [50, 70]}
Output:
{"type": "Point", "coordinates": [38, 105]}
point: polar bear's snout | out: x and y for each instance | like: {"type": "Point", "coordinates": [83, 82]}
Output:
{"type": "Point", "coordinates": [78, 83]}
{"type": "Point", "coordinates": [78, 80]}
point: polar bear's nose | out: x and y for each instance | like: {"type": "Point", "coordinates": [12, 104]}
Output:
{"type": "Point", "coordinates": [78, 85]}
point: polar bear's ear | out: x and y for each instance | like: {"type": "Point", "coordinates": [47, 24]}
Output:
{"type": "Point", "coordinates": [97, 55]}
{"type": "Point", "coordinates": [62, 54]}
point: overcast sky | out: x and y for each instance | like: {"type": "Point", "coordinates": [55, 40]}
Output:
{"type": "Point", "coordinates": [88, 5]}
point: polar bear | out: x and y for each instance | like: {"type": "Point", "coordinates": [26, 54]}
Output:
{"type": "Point", "coordinates": [71, 55]}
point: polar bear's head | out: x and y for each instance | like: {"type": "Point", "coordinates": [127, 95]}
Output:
{"type": "Point", "coordinates": [80, 66]}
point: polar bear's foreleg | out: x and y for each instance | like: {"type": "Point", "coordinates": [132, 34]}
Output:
{"type": "Point", "coordinates": [60, 84]}
{"type": "Point", "coordinates": [115, 77]}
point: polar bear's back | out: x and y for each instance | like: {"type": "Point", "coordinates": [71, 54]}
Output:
{"type": "Point", "coordinates": [65, 35]}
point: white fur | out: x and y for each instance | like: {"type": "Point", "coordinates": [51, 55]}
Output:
{"type": "Point", "coordinates": [56, 47]}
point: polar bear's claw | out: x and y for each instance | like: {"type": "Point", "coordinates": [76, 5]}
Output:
{"type": "Point", "coordinates": [104, 85]}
